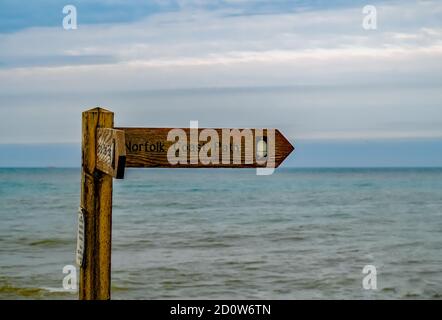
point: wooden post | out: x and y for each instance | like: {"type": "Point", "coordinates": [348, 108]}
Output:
{"type": "Point", "coordinates": [96, 203]}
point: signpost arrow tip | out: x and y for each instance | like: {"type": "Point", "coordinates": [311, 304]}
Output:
{"type": "Point", "coordinates": [283, 148]}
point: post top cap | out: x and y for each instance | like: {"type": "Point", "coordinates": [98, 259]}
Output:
{"type": "Point", "coordinates": [98, 110]}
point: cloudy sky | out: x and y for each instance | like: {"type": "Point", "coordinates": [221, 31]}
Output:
{"type": "Point", "coordinates": [306, 67]}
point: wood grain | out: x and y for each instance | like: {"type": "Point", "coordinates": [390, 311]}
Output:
{"type": "Point", "coordinates": [96, 200]}
{"type": "Point", "coordinates": [111, 152]}
{"type": "Point", "coordinates": [147, 148]}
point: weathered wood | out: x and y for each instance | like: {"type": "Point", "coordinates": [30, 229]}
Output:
{"type": "Point", "coordinates": [148, 147]}
{"type": "Point", "coordinates": [96, 201]}
{"type": "Point", "coordinates": [111, 152]}
{"type": "Point", "coordinates": [106, 151]}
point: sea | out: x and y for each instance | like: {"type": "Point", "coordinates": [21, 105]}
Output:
{"type": "Point", "coordinates": [230, 234]}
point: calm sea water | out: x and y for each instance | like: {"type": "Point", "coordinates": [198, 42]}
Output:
{"type": "Point", "coordinates": [232, 234]}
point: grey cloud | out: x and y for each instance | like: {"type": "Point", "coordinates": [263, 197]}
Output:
{"type": "Point", "coordinates": [312, 75]}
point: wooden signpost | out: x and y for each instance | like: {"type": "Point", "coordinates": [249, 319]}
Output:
{"type": "Point", "coordinates": [150, 147]}
{"type": "Point", "coordinates": [106, 151]}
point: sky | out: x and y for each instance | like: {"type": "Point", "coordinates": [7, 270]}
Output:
{"type": "Point", "coordinates": [308, 68]}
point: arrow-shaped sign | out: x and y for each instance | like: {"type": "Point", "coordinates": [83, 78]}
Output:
{"type": "Point", "coordinates": [209, 148]}
{"type": "Point", "coordinates": [111, 152]}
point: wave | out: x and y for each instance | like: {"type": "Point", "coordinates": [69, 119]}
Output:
{"type": "Point", "coordinates": [8, 290]}
{"type": "Point", "coordinates": [46, 242]}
